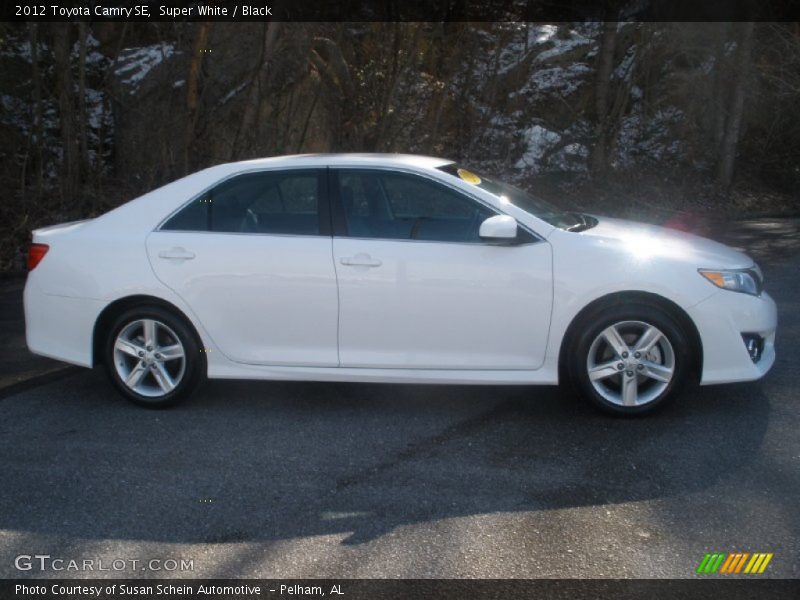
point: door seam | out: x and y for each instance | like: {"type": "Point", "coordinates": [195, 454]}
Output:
{"type": "Point", "coordinates": [338, 307]}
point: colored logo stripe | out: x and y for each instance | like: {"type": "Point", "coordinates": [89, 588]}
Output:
{"type": "Point", "coordinates": [711, 562]}
{"type": "Point", "coordinates": [734, 562]}
{"type": "Point", "coordinates": [732, 558]}
{"type": "Point", "coordinates": [758, 563]}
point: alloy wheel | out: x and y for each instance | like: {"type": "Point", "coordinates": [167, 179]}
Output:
{"type": "Point", "coordinates": [149, 358]}
{"type": "Point", "coordinates": [630, 363]}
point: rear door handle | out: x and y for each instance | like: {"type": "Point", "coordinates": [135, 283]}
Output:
{"type": "Point", "coordinates": [360, 260]}
{"type": "Point", "coordinates": [176, 254]}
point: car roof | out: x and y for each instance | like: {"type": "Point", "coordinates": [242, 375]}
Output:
{"type": "Point", "coordinates": [343, 159]}
{"type": "Point", "coordinates": [147, 210]}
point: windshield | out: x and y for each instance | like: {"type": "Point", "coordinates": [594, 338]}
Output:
{"type": "Point", "coordinates": [520, 198]}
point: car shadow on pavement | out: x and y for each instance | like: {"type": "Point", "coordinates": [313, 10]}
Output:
{"type": "Point", "coordinates": [261, 461]}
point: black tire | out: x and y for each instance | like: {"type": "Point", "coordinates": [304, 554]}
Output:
{"type": "Point", "coordinates": [193, 369]}
{"type": "Point", "coordinates": [590, 328]}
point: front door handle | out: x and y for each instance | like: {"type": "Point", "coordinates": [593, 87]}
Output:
{"type": "Point", "coordinates": [176, 254]}
{"type": "Point", "coordinates": [360, 260]}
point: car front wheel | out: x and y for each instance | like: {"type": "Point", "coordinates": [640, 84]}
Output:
{"type": "Point", "coordinates": [630, 359]}
{"type": "Point", "coordinates": [152, 357]}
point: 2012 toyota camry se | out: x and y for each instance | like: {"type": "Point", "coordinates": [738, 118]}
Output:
{"type": "Point", "coordinates": [389, 268]}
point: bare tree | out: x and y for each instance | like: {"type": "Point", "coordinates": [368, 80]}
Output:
{"type": "Point", "coordinates": [605, 66]}
{"type": "Point", "coordinates": [193, 88]}
{"type": "Point", "coordinates": [387, 118]}
{"type": "Point", "coordinates": [69, 164]}
{"type": "Point", "coordinates": [82, 124]}
{"type": "Point", "coordinates": [718, 89]}
{"type": "Point", "coordinates": [259, 78]}
{"type": "Point", "coordinates": [38, 110]}
{"type": "Point", "coordinates": [448, 70]}
{"type": "Point", "coordinates": [733, 125]}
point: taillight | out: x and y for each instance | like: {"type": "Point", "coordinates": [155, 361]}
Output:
{"type": "Point", "coordinates": [36, 253]}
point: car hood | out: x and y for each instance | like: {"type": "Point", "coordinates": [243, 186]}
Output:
{"type": "Point", "coordinates": [651, 240]}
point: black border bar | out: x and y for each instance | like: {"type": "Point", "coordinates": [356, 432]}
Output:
{"type": "Point", "coordinates": [400, 10]}
{"type": "Point", "coordinates": [390, 589]}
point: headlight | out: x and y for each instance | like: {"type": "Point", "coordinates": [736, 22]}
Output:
{"type": "Point", "coordinates": [746, 281]}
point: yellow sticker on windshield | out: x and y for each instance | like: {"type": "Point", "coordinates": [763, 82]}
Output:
{"type": "Point", "coordinates": [468, 176]}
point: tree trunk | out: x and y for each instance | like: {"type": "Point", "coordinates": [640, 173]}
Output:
{"type": "Point", "coordinates": [389, 89]}
{"type": "Point", "coordinates": [38, 111]}
{"type": "Point", "coordinates": [82, 125]}
{"type": "Point", "coordinates": [450, 59]}
{"type": "Point", "coordinates": [193, 88]}
{"type": "Point", "coordinates": [61, 47]}
{"type": "Point", "coordinates": [307, 121]}
{"type": "Point", "coordinates": [730, 140]}
{"type": "Point", "coordinates": [389, 126]}
{"type": "Point", "coordinates": [718, 87]}
{"type": "Point", "coordinates": [245, 132]}
{"type": "Point", "coordinates": [605, 65]}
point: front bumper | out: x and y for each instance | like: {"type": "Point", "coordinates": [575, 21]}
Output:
{"type": "Point", "coordinates": [721, 320]}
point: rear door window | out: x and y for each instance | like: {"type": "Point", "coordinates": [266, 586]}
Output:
{"type": "Point", "coordinates": [267, 202]}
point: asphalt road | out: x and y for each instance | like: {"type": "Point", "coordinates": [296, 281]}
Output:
{"type": "Point", "coordinates": [280, 480]}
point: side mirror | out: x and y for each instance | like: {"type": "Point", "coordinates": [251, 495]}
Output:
{"type": "Point", "coordinates": [500, 228]}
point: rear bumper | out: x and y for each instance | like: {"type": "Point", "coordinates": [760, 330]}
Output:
{"type": "Point", "coordinates": [59, 327]}
{"type": "Point", "coordinates": [721, 320]}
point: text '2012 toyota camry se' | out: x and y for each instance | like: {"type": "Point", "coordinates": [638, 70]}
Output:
{"type": "Point", "coordinates": [389, 268]}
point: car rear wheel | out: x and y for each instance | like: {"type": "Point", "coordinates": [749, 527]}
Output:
{"type": "Point", "coordinates": [629, 359]}
{"type": "Point", "coordinates": [152, 357]}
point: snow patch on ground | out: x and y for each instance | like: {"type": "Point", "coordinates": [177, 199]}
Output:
{"type": "Point", "coordinates": [548, 79]}
{"type": "Point", "coordinates": [548, 150]}
{"type": "Point", "coordinates": [556, 80]}
{"type": "Point", "coordinates": [572, 157]}
{"type": "Point", "coordinates": [133, 64]}
{"type": "Point", "coordinates": [537, 141]}
{"type": "Point", "coordinates": [543, 42]}
{"type": "Point", "coordinates": [94, 108]}
{"type": "Point", "coordinates": [21, 49]}
{"type": "Point", "coordinates": [93, 54]}
{"type": "Point", "coordinates": [563, 45]}
{"type": "Point", "coordinates": [625, 68]}
{"type": "Point", "coordinates": [648, 139]}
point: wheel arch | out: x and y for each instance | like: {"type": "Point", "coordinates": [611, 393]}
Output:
{"type": "Point", "coordinates": [616, 298]}
{"type": "Point", "coordinates": [109, 314]}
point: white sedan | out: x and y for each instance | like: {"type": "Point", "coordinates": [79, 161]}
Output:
{"type": "Point", "coordinates": [389, 268]}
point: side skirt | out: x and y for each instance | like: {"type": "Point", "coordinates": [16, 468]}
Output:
{"type": "Point", "coordinates": [544, 376]}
